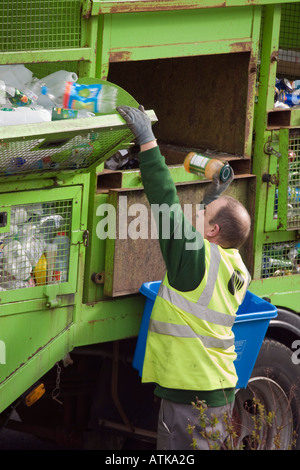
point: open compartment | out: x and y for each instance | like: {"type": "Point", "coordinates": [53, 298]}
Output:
{"type": "Point", "coordinates": [201, 104]}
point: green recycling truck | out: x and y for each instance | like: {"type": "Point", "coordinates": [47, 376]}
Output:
{"type": "Point", "coordinates": [215, 78]}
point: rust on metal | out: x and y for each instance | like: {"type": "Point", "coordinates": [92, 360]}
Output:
{"type": "Point", "coordinates": [121, 56]}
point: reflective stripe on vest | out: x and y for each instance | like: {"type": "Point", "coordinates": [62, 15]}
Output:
{"type": "Point", "coordinates": [185, 331]}
{"type": "Point", "coordinates": [199, 309]}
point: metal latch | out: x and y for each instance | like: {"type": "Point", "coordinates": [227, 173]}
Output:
{"type": "Point", "coordinates": [271, 151]}
{"type": "Point", "coordinates": [79, 236]}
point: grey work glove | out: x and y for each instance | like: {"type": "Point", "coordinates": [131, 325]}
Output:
{"type": "Point", "coordinates": [138, 122]}
{"type": "Point", "coordinates": [216, 188]}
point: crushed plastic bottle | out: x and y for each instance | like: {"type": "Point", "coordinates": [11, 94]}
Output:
{"type": "Point", "coordinates": [33, 246]}
{"type": "Point", "coordinates": [49, 225]}
{"type": "Point", "coordinates": [16, 262]}
{"type": "Point", "coordinates": [16, 75]}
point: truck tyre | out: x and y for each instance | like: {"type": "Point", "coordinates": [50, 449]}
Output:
{"type": "Point", "coordinates": [275, 384]}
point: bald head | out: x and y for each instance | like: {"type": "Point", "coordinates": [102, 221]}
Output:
{"type": "Point", "coordinates": [231, 221]}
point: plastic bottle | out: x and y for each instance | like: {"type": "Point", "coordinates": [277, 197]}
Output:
{"type": "Point", "coordinates": [49, 225]}
{"type": "Point", "coordinates": [205, 166]}
{"type": "Point", "coordinates": [16, 262]}
{"type": "Point", "coordinates": [97, 98]}
{"type": "Point", "coordinates": [33, 247]}
{"type": "Point", "coordinates": [16, 97]}
{"type": "Point", "coordinates": [16, 75]}
{"type": "Point", "coordinates": [53, 83]}
{"type": "Point", "coordinates": [290, 99]}
{"type": "Point", "coordinates": [60, 76]}
{"type": "Point", "coordinates": [62, 256]}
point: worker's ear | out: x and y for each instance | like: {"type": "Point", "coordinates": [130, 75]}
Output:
{"type": "Point", "coordinates": [213, 231]}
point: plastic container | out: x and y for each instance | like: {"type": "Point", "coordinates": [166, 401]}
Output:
{"type": "Point", "coordinates": [60, 76]}
{"type": "Point", "coordinates": [62, 257]}
{"type": "Point", "coordinates": [290, 99]}
{"type": "Point", "coordinates": [205, 166]}
{"type": "Point", "coordinates": [15, 75]}
{"type": "Point", "coordinates": [33, 247]}
{"type": "Point", "coordinates": [51, 83]}
{"type": "Point", "coordinates": [16, 262]}
{"type": "Point", "coordinates": [40, 271]}
{"type": "Point", "coordinates": [250, 326]}
{"type": "Point", "coordinates": [96, 98]}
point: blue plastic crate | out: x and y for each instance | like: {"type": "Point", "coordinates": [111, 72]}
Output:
{"type": "Point", "coordinates": [250, 326]}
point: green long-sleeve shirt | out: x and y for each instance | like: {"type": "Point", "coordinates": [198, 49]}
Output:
{"type": "Point", "coordinates": [185, 267]}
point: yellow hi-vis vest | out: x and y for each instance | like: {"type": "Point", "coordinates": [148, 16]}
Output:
{"type": "Point", "coordinates": [190, 343]}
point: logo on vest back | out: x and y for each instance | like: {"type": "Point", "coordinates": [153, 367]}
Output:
{"type": "Point", "coordinates": [236, 282]}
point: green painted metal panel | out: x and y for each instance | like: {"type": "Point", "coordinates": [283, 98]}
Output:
{"type": "Point", "coordinates": [165, 34]}
{"type": "Point", "coordinates": [97, 7]}
{"type": "Point", "coordinates": [91, 39]}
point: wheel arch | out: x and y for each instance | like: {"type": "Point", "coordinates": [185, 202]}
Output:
{"type": "Point", "coordinates": [285, 328]}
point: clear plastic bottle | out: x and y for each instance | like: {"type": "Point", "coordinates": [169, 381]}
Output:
{"type": "Point", "coordinates": [62, 243]}
{"type": "Point", "coordinates": [16, 75]}
{"type": "Point", "coordinates": [60, 76]}
{"type": "Point", "coordinates": [16, 262]}
{"type": "Point", "coordinates": [205, 166]}
{"type": "Point", "coordinates": [33, 247]}
{"type": "Point", "coordinates": [97, 98]}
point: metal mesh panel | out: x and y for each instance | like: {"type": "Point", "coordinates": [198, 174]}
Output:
{"type": "Point", "coordinates": [280, 259]}
{"type": "Point", "coordinates": [293, 183]}
{"type": "Point", "coordinates": [36, 249]}
{"type": "Point", "coordinates": [289, 41]}
{"type": "Point", "coordinates": [39, 24]}
{"type": "Point", "coordinates": [293, 213]}
{"type": "Point", "coordinates": [78, 152]}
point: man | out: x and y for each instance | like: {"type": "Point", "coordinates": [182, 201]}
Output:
{"type": "Point", "coordinates": [190, 344]}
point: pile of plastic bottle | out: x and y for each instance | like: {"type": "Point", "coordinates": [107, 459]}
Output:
{"type": "Point", "coordinates": [287, 93]}
{"type": "Point", "coordinates": [36, 249]}
{"type": "Point", "coordinates": [25, 99]}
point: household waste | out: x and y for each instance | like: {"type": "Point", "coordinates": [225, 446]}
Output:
{"type": "Point", "coordinates": [287, 93]}
{"type": "Point", "coordinates": [36, 249]}
{"type": "Point", "coordinates": [25, 99]}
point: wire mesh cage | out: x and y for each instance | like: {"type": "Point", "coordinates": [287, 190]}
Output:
{"type": "Point", "coordinates": [280, 259]}
{"type": "Point", "coordinates": [293, 210]}
{"type": "Point", "coordinates": [39, 24]}
{"type": "Point", "coordinates": [35, 249]}
{"type": "Point", "coordinates": [293, 183]}
{"type": "Point", "coordinates": [67, 153]}
{"type": "Point", "coordinates": [289, 41]}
